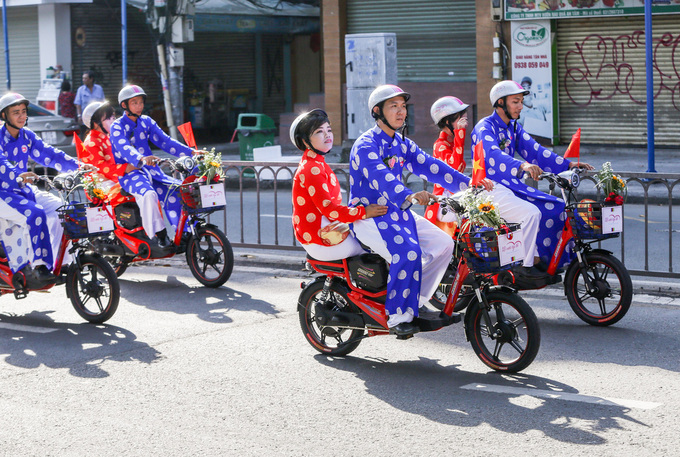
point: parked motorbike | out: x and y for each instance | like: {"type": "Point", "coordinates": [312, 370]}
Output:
{"type": "Point", "coordinates": [208, 252]}
{"type": "Point", "coordinates": [344, 305]}
{"type": "Point", "coordinates": [597, 285]}
{"type": "Point", "coordinates": [91, 284]}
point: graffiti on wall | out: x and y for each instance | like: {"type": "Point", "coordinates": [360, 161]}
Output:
{"type": "Point", "coordinates": [601, 67]}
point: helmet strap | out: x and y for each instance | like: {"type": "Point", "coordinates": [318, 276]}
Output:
{"type": "Point", "coordinates": [381, 117]}
{"type": "Point", "coordinates": [126, 108]}
{"type": "Point", "coordinates": [505, 108]}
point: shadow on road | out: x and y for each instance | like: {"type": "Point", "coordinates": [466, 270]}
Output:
{"type": "Point", "coordinates": [172, 295]}
{"type": "Point", "coordinates": [80, 348]}
{"type": "Point", "coordinates": [426, 388]}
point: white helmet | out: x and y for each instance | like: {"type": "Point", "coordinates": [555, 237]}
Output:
{"type": "Point", "coordinates": [128, 92]}
{"type": "Point", "coordinates": [297, 137]}
{"type": "Point", "coordinates": [446, 106]}
{"type": "Point", "coordinates": [505, 88]}
{"type": "Point", "coordinates": [89, 111]}
{"type": "Point", "coordinates": [11, 99]}
{"type": "Point", "coordinates": [385, 92]}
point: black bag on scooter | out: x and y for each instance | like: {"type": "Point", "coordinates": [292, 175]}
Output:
{"type": "Point", "coordinates": [368, 271]}
{"type": "Point", "coordinates": [128, 215]}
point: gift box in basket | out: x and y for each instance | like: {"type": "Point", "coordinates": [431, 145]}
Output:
{"type": "Point", "coordinates": [199, 195]}
{"type": "Point", "coordinates": [592, 220]}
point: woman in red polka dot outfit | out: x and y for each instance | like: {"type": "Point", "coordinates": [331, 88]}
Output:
{"type": "Point", "coordinates": [98, 116]}
{"type": "Point", "coordinates": [319, 217]}
{"type": "Point", "coordinates": [449, 113]}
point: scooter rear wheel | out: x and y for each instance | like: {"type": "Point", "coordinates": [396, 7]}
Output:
{"type": "Point", "coordinates": [511, 343]}
{"type": "Point", "coordinates": [329, 340]}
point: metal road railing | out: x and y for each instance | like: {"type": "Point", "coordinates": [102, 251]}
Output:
{"type": "Point", "coordinates": [259, 211]}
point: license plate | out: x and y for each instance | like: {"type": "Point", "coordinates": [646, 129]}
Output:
{"type": "Point", "coordinates": [511, 247]}
{"type": "Point", "coordinates": [212, 195]}
{"type": "Point", "coordinates": [612, 219]}
{"type": "Point", "coordinates": [98, 220]}
{"type": "Point", "coordinates": [49, 137]}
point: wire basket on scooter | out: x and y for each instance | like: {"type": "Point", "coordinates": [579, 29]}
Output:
{"type": "Point", "coordinates": [481, 248]}
{"type": "Point", "coordinates": [193, 203]}
{"type": "Point", "coordinates": [585, 218]}
{"type": "Point", "coordinates": [73, 218]}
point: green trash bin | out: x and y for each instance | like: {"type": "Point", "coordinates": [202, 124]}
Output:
{"type": "Point", "coordinates": [254, 131]}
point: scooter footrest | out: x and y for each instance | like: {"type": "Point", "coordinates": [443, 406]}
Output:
{"type": "Point", "coordinates": [431, 321]}
{"type": "Point", "coordinates": [522, 284]}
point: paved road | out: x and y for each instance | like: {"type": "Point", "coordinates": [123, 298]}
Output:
{"type": "Point", "coordinates": [183, 370]}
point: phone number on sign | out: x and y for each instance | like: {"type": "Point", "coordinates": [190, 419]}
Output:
{"type": "Point", "coordinates": [532, 65]}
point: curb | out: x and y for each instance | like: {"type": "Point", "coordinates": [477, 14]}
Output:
{"type": "Point", "coordinates": [296, 262]}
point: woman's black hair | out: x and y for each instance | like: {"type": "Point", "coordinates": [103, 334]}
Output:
{"type": "Point", "coordinates": [450, 120]}
{"type": "Point", "coordinates": [315, 119]}
{"type": "Point", "coordinates": [66, 86]}
{"type": "Point", "coordinates": [100, 115]}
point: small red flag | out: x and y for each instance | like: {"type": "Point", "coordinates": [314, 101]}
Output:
{"type": "Point", "coordinates": [478, 166]}
{"type": "Point", "coordinates": [80, 149]}
{"type": "Point", "coordinates": [188, 134]}
{"type": "Point", "coordinates": [574, 149]}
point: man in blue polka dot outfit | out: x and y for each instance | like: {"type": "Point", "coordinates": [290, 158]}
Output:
{"type": "Point", "coordinates": [418, 252]}
{"type": "Point", "coordinates": [130, 137]}
{"type": "Point", "coordinates": [542, 215]}
{"type": "Point", "coordinates": [18, 144]}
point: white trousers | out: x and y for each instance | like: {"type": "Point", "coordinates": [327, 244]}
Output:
{"type": "Point", "coordinates": [515, 210]}
{"type": "Point", "coordinates": [50, 204]}
{"type": "Point", "coordinates": [152, 218]}
{"type": "Point", "coordinates": [436, 249]}
{"type": "Point", "coordinates": [16, 238]}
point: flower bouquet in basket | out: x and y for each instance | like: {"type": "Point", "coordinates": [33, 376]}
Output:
{"type": "Point", "coordinates": [92, 184]}
{"type": "Point", "coordinates": [613, 186]}
{"type": "Point", "coordinates": [480, 210]}
{"type": "Point", "coordinates": [210, 166]}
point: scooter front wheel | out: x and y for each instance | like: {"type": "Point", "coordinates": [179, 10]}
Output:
{"type": "Point", "coordinates": [509, 341]}
{"type": "Point", "coordinates": [323, 336]}
{"type": "Point", "coordinates": [93, 288]}
{"type": "Point", "coordinates": [610, 294]}
{"type": "Point", "coordinates": [210, 256]}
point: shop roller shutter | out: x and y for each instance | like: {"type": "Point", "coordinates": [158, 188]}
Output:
{"type": "Point", "coordinates": [602, 80]}
{"type": "Point", "coordinates": [436, 41]}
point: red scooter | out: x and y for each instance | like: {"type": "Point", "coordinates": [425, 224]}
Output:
{"type": "Point", "coordinates": [346, 304]}
{"type": "Point", "coordinates": [208, 252]}
{"type": "Point", "coordinates": [91, 284]}
{"type": "Point", "coordinates": [597, 285]}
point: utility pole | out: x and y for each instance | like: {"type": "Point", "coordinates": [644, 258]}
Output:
{"type": "Point", "coordinates": [4, 29]}
{"type": "Point", "coordinates": [174, 21]}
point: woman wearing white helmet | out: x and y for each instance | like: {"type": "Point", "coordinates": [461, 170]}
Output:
{"type": "Point", "coordinates": [130, 137]}
{"type": "Point", "coordinates": [98, 117]}
{"type": "Point", "coordinates": [503, 138]}
{"type": "Point", "coordinates": [418, 252]}
{"type": "Point", "coordinates": [319, 217]}
{"type": "Point", "coordinates": [450, 116]}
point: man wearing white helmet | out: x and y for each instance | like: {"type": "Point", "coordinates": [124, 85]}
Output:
{"type": "Point", "coordinates": [130, 137]}
{"type": "Point", "coordinates": [18, 144]}
{"type": "Point", "coordinates": [503, 137]}
{"type": "Point", "coordinates": [418, 252]}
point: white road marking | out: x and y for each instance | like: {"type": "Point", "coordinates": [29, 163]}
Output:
{"type": "Point", "coordinates": [27, 328]}
{"type": "Point", "coordinates": [550, 394]}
